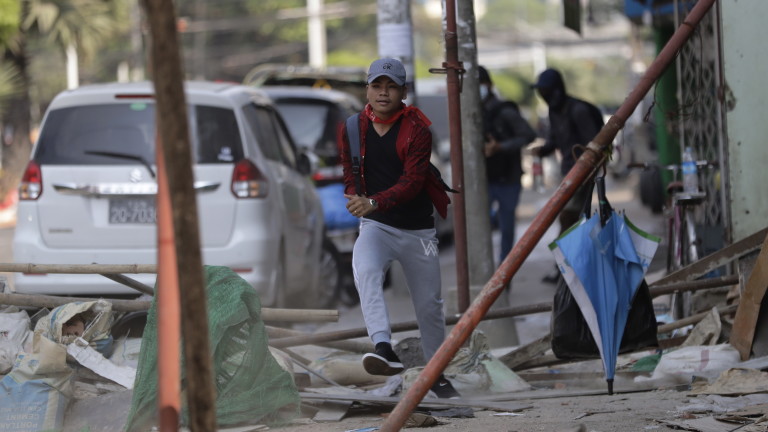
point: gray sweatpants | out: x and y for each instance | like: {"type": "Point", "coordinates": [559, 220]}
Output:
{"type": "Point", "coordinates": [377, 246]}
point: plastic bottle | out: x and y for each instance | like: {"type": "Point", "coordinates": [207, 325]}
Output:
{"type": "Point", "coordinates": [690, 172]}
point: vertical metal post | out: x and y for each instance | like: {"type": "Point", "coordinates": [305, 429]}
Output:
{"type": "Point", "coordinates": [454, 69]}
{"type": "Point", "coordinates": [394, 31]}
{"type": "Point", "coordinates": [316, 33]}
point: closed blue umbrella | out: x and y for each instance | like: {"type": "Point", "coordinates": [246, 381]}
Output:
{"type": "Point", "coordinates": [603, 270]}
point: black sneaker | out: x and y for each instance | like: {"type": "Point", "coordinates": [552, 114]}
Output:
{"type": "Point", "coordinates": [444, 389]}
{"type": "Point", "coordinates": [382, 362]}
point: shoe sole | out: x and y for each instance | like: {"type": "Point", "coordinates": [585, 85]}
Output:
{"type": "Point", "coordinates": [377, 365]}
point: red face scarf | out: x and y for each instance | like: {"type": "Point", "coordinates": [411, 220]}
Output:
{"type": "Point", "coordinates": [403, 109]}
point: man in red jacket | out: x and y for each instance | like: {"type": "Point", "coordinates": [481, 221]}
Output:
{"type": "Point", "coordinates": [393, 197]}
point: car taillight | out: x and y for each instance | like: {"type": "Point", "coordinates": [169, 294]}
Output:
{"type": "Point", "coordinates": [31, 185]}
{"type": "Point", "coordinates": [247, 181]}
{"type": "Point", "coordinates": [329, 174]}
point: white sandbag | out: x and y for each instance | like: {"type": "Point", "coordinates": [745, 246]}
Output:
{"type": "Point", "coordinates": [14, 330]}
{"type": "Point", "coordinates": [679, 366]}
{"type": "Point", "coordinates": [97, 321]}
{"type": "Point", "coordinates": [343, 368]}
{"type": "Point", "coordinates": [126, 352]}
{"type": "Point", "coordinates": [35, 394]}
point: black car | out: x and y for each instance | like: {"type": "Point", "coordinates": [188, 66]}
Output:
{"type": "Point", "coordinates": [313, 116]}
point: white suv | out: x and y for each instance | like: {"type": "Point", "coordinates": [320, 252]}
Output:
{"type": "Point", "coordinates": [88, 194]}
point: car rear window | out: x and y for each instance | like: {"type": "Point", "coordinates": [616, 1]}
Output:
{"type": "Point", "coordinates": [314, 124]}
{"type": "Point", "coordinates": [305, 119]}
{"type": "Point", "coordinates": [117, 134]}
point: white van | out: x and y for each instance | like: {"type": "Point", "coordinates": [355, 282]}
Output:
{"type": "Point", "coordinates": [88, 193]}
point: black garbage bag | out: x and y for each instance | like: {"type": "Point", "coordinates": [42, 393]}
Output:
{"type": "Point", "coordinates": [572, 339]}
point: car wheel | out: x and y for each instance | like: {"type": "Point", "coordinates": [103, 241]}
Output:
{"type": "Point", "coordinates": [329, 285]}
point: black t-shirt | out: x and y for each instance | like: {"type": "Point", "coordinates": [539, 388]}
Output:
{"type": "Point", "coordinates": [383, 168]}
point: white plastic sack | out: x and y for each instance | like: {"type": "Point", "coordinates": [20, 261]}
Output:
{"type": "Point", "coordinates": [35, 394]}
{"type": "Point", "coordinates": [98, 322]}
{"type": "Point", "coordinates": [343, 368]}
{"type": "Point", "coordinates": [126, 352]}
{"type": "Point", "coordinates": [679, 366]}
{"type": "Point", "coordinates": [14, 331]}
{"type": "Point", "coordinates": [93, 360]}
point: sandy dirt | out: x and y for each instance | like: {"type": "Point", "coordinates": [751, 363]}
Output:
{"type": "Point", "coordinates": [619, 412]}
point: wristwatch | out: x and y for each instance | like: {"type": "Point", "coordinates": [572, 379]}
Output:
{"type": "Point", "coordinates": [373, 203]}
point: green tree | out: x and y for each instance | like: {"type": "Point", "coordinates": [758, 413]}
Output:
{"type": "Point", "coordinates": [10, 12]}
{"type": "Point", "coordinates": [79, 23]}
{"type": "Point", "coordinates": [77, 26]}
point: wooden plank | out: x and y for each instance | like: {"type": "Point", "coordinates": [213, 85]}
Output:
{"type": "Point", "coordinates": [521, 355]}
{"type": "Point", "coordinates": [743, 331]}
{"type": "Point", "coordinates": [425, 403]}
{"type": "Point", "coordinates": [403, 326]}
{"type": "Point", "coordinates": [715, 260]}
{"type": "Point", "coordinates": [716, 282]}
{"type": "Point", "coordinates": [267, 314]}
{"type": "Point", "coordinates": [77, 268]}
{"type": "Point", "coordinates": [354, 346]}
{"type": "Point", "coordinates": [332, 411]}
{"type": "Point", "coordinates": [694, 319]}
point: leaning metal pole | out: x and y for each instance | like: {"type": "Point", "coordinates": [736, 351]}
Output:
{"type": "Point", "coordinates": [587, 163]}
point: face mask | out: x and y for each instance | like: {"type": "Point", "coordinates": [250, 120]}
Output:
{"type": "Point", "coordinates": [483, 91]}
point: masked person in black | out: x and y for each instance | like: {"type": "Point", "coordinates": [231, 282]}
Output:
{"type": "Point", "coordinates": [573, 123]}
{"type": "Point", "coordinates": [506, 134]}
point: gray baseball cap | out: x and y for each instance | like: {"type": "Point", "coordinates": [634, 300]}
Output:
{"type": "Point", "coordinates": [387, 67]}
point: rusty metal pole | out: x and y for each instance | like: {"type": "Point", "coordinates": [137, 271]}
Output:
{"type": "Point", "coordinates": [168, 304]}
{"type": "Point", "coordinates": [584, 167]}
{"type": "Point", "coordinates": [453, 67]}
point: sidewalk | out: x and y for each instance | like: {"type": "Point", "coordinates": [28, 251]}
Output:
{"type": "Point", "coordinates": [577, 402]}
{"type": "Point", "coordinates": [527, 285]}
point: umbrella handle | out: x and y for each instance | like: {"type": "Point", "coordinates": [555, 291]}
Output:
{"type": "Point", "coordinates": [586, 209]}
{"type": "Point", "coordinates": [603, 206]}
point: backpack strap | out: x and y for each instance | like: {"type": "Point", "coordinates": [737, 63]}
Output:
{"type": "Point", "coordinates": [353, 135]}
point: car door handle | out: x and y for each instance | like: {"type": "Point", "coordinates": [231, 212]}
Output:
{"type": "Point", "coordinates": [202, 186]}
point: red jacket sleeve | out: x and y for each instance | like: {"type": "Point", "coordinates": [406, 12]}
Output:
{"type": "Point", "coordinates": [346, 160]}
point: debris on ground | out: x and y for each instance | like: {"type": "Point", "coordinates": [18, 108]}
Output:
{"type": "Point", "coordinates": [65, 365]}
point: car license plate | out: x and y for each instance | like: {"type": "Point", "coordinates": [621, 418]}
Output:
{"type": "Point", "coordinates": [133, 210]}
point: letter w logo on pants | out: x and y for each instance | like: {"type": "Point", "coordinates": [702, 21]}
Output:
{"type": "Point", "coordinates": [430, 247]}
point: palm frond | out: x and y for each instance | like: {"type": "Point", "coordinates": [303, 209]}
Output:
{"type": "Point", "coordinates": [82, 23]}
{"type": "Point", "coordinates": [10, 85]}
